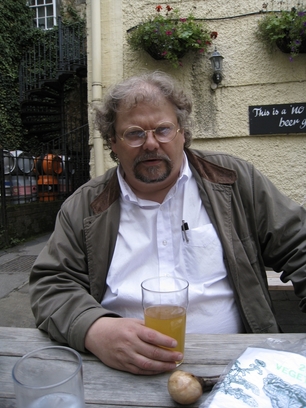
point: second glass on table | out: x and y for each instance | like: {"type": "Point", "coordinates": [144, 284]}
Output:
{"type": "Point", "coordinates": [165, 302]}
{"type": "Point", "coordinates": [49, 377]}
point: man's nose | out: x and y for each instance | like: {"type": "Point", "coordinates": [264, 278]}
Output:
{"type": "Point", "coordinates": [151, 143]}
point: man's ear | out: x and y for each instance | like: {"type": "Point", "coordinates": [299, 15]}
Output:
{"type": "Point", "coordinates": [113, 144]}
{"type": "Point", "coordinates": [183, 133]}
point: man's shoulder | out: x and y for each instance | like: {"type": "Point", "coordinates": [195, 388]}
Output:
{"type": "Point", "coordinates": [100, 180]}
{"type": "Point", "coordinates": [93, 187]}
{"type": "Point", "coordinates": [220, 158]}
{"type": "Point", "coordinates": [217, 167]}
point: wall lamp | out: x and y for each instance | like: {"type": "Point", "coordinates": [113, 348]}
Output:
{"type": "Point", "coordinates": [216, 60]}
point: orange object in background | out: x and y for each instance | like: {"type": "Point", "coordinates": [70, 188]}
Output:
{"type": "Point", "coordinates": [50, 164]}
{"type": "Point", "coordinates": [47, 188]}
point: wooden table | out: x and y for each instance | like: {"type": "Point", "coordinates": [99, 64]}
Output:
{"type": "Point", "coordinates": [205, 355]}
{"type": "Point", "coordinates": [275, 283]}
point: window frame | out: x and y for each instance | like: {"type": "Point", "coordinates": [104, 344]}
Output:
{"type": "Point", "coordinates": [37, 18]}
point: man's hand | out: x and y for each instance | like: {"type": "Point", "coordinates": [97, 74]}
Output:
{"type": "Point", "coordinates": [127, 345]}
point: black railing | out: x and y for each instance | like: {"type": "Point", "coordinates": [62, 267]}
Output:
{"type": "Point", "coordinates": [54, 53]}
{"type": "Point", "coordinates": [52, 173]}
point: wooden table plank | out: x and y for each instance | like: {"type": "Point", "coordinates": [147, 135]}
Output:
{"type": "Point", "coordinates": [109, 388]}
{"type": "Point", "coordinates": [275, 283]}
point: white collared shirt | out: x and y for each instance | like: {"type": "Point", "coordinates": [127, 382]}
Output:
{"type": "Point", "coordinates": [150, 243]}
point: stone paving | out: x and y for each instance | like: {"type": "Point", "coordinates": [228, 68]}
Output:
{"type": "Point", "coordinates": [15, 266]}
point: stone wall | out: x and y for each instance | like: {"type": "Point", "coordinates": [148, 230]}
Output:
{"type": "Point", "coordinates": [28, 220]}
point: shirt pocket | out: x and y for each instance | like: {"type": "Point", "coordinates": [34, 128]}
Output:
{"type": "Point", "coordinates": [201, 236]}
{"type": "Point", "coordinates": [203, 255]}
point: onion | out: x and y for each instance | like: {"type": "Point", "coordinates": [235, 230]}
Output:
{"type": "Point", "coordinates": [186, 388]}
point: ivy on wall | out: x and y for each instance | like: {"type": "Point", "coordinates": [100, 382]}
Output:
{"type": "Point", "coordinates": [15, 33]}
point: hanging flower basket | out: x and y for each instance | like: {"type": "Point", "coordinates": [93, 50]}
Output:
{"type": "Point", "coordinates": [155, 53]}
{"type": "Point", "coordinates": [283, 45]}
{"type": "Point", "coordinates": [158, 55]}
{"type": "Point", "coordinates": [170, 36]}
{"type": "Point", "coordinates": [285, 30]}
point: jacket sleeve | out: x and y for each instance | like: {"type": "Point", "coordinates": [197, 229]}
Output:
{"type": "Point", "coordinates": [59, 285]}
{"type": "Point", "coordinates": [281, 226]}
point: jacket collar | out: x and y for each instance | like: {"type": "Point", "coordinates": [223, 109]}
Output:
{"type": "Point", "coordinates": [109, 195]}
{"type": "Point", "coordinates": [210, 171]}
{"type": "Point", "coordinates": [206, 169]}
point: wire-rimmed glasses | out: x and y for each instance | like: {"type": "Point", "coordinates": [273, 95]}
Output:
{"type": "Point", "coordinates": [136, 136]}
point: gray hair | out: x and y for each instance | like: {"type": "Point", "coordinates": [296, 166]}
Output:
{"type": "Point", "coordinates": [145, 87]}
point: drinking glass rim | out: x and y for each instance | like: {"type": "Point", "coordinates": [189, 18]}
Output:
{"type": "Point", "coordinates": [165, 277]}
{"type": "Point", "coordinates": [78, 368]}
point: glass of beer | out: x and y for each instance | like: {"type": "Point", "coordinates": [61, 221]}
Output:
{"type": "Point", "coordinates": [165, 301]}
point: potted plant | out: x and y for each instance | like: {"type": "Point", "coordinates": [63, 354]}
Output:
{"type": "Point", "coordinates": [285, 30]}
{"type": "Point", "coordinates": [169, 36]}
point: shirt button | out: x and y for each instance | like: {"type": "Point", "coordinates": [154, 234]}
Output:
{"type": "Point", "coordinates": [165, 242]}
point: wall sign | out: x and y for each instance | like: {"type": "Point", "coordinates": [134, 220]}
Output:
{"type": "Point", "coordinates": [276, 119]}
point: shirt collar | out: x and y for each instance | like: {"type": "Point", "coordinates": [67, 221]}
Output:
{"type": "Point", "coordinates": [128, 194]}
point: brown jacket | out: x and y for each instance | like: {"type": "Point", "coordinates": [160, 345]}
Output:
{"type": "Point", "coordinates": [258, 227]}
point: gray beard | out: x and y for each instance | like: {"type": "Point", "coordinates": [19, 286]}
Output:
{"type": "Point", "coordinates": [152, 171]}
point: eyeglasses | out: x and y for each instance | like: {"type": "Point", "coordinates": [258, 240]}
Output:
{"type": "Point", "coordinates": [135, 136]}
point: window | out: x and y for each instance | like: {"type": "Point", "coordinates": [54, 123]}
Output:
{"type": "Point", "coordinates": [45, 13]}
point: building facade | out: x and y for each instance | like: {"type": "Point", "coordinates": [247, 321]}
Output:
{"type": "Point", "coordinates": [252, 77]}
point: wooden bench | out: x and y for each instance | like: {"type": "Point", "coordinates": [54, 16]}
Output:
{"type": "Point", "coordinates": [275, 283]}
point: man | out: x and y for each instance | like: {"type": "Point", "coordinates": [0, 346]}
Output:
{"type": "Point", "coordinates": [126, 226]}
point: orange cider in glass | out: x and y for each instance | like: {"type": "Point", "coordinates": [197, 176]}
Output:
{"type": "Point", "coordinates": [169, 320]}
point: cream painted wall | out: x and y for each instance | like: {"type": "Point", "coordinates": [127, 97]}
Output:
{"type": "Point", "coordinates": [252, 76]}
{"type": "Point", "coordinates": [105, 67]}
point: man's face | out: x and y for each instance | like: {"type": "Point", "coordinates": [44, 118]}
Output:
{"type": "Point", "coordinates": [153, 168]}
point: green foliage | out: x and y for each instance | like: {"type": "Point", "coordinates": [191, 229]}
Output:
{"type": "Point", "coordinates": [15, 29]}
{"type": "Point", "coordinates": [15, 241]}
{"type": "Point", "coordinates": [15, 33]}
{"type": "Point", "coordinates": [18, 36]}
{"type": "Point", "coordinates": [44, 43]}
{"type": "Point", "coordinates": [169, 36]}
{"type": "Point", "coordinates": [286, 27]}
{"type": "Point", "coordinates": [71, 16]}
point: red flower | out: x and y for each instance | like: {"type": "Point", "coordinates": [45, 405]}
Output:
{"type": "Point", "coordinates": [183, 20]}
{"type": "Point", "coordinates": [164, 53]}
{"type": "Point", "coordinates": [158, 8]}
{"type": "Point", "coordinates": [213, 35]}
{"type": "Point", "coordinates": [199, 41]}
{"type": "Point", "coordinates": [201, 50]}
{"type": "Point", "coordinates": [169, 8]}
{"type": "Point", "coordinates": [168, 32]}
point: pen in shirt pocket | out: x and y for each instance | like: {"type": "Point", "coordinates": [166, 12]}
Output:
{"type": "Point", "coordinates": [184, 229]}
